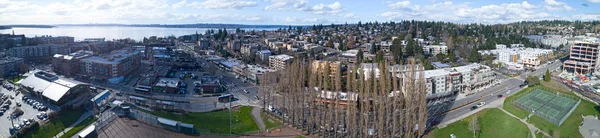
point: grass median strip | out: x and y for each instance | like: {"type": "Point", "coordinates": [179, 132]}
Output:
{"type": "Point", "coordinates": [88, 121]}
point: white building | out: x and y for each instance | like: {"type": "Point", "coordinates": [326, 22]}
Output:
{"type": "Point", "coordinates": [279, 62]}
{"type": "Point", "coordinates": [528, 57]}
{"type": "Point", "coordinates": [435, 49]}
{"type": "Point", "coordinates": [444, 82]}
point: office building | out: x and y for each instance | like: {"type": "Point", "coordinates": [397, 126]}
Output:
{"type": "Point", "coordinates": [249, 49]}
{"type": "Point", "coordinates": [234, 45]}
{"type": "Point", "coordinates": [583, 58]}
{"type": "Point", "coordinates": [264, 54]}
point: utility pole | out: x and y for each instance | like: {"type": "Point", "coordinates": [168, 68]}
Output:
{"type": "Point", "coordinates": [230, 100]}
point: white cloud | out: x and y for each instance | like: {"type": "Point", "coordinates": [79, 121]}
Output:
{"type": "Point", "coordinates": [586, 17]}
{"type": "Point", "coordinates": [333, 8]}
{"type": "Point", "coordinates": [349, 15]}
{"type": "Point", "coordinates": [223, 4]}
{"type": "Point", "coordinates": [180, 4]}
{"type": "Point", "coordinates": [463, 13]}
{"type": "Point", "coordinates": [555, 5]}
{"type": "Point", "coordinates": [286, 4]}
{"type": "Point", "coordinates": [594, 1]}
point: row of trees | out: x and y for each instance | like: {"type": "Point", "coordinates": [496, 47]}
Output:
{"type": "Point", "coordinates": [326, 102]}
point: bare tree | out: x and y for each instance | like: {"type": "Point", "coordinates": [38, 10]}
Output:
{"type": "Point", "coordinates": [474, 126]}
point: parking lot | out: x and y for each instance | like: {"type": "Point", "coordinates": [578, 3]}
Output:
{"type": "Point", "coordinates": [28, 112]}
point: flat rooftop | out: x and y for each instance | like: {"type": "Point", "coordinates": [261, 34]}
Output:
{"type": "Point", "coordinates": [208, 80]}
{"type": "Point", "coordinates": [167, 82]}
{"type": "Point", "coordinates": [9, 59]}
{"type": "Point", "coordinates": [115, 57]}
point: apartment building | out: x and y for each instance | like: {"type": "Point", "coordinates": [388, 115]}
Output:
{"type": "Point", "coordinates": [117, 63]}
{"type": "Point", "coordinates": [464, 79]}
{"type": "Point", "coordinates": [264, 54]}
{"type": "Point", "coordinates": [251, 73]}
{"type": "Point", "coordinates": [49, 40]}
{"type": "Point", "coordinates": [583, 57]}
{"type": "Point", "coordinates": [36, 52]}
{"type": "Point", "coordinates": [9, 64]}
{"type": "Point", "coordinates": [319, 67]}
{"type": "Point", "coordinates": [280, 62]}
{"type": "Point", "coordinates": [249, 49]}
{"type": "Point", "coordinates": [234, 45]}
{"type": "Point", "coordinates": [435, 49]}
{"type": "Point", "coordinates": [528, 57]}
{"type": "Point", "coordinates": [69, 65]}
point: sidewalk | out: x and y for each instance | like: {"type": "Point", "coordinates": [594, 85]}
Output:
{"type": "Point", "coordinates": [83, 117]}
{"type": "Point", "coordinates": [531, 127]}
{"type": "Point", "coordinates": [258, 119]}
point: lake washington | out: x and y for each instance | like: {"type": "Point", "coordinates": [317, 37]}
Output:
{"type": "Point", "coordinates": [113, 32]}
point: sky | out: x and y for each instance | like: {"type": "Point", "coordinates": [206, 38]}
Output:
{"type": "Point", "coordinates": [291, 12]}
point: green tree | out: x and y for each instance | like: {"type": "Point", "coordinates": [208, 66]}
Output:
{"type": "Point", "coordinates": [427, 65]}
{"type": "Point", "coordinates": [547, 76]}
{"type": "Point", "coordinates": [441, 57]}
{"type": "Point", "coordinates": [475, 56]}
{"type": "Point", "coordinates": [396, 50]}
{"type": "Point", "coordinates": [410, 48]}
{"type": "Point", "coordinates": [532, 80]}
{"type": "Point", "coordinates": [359, 56]}
{"type": "Point", "coordinates": [451, 56]}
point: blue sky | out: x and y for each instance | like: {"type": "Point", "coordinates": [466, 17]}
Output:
{"type": "Point", "coordinates": [291, 12]}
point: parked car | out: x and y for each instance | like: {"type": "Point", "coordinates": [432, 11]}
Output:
{"type": "Point", "coordinates": [18, 104]}
{"type": "Point", "coordinates": [480, 104]}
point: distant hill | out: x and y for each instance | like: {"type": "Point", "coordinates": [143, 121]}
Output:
{"type": "Point", "coordinates": [184, 25]}
{"type": "Point", "coordinates": [28, 26]}
{"type": "Point", "coordinates": [5, 27]}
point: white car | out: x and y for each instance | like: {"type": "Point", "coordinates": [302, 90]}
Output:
{"type": "Point", "coordinates": [481, 104]}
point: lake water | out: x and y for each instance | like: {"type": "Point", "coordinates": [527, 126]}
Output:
{"type": "Point", "coordinates": [109, 33]}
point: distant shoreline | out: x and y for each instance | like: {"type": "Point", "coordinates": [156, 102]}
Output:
{"type": "Point", "coordinates": [25, 26]}
{"type": "Point", "coordinates": [230, 26]}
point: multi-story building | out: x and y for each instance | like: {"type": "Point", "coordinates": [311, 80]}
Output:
{"type": "Point", "coordinates": [264, 54]}
{"type": "Point", "coordinates": [279, 62]}
{"type": "Point", "coordinates": [9, 64]}
{"type": "Point", "coordinates": [435, 49]}
{"type": "Point", "coordinates": [11, 40]}
{"type": "Point", "coordinates": [117, 63]}
{"type": "Point", "coordinates": [443, 82]}
{"type": "Point", "coordinates": [50, 40]}
{"type": "Point", "coordinates": [385, 46]}
{"type": "Point", "coordinates": [319, 67]}
{"type": "Point", "coordinates": [41, 52]}
{"type": "Point", "coordinates": [69, 65]}
{"type": "Point", "coordinates": [583, 58]}
{"type": "Point", "coordinates": [249, 49]}
{"type": "Point", "coordinates": [204, 43]}
{"type": "Point", "coordinates": [517, 56]}
{"type": "Point", "coordinates": [234, 45]}
{"type": "Point", "coordinates": [465, 79]}
{"type": "Point", "coordinates": [251, 73]}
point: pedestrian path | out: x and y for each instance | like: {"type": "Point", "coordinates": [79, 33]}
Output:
{"type": "Point", "coordinates": [531, 127]}
{"type": "Point", "coordinates": [258, 119]}
{"type": "Point", "coordinates": [83, 117]}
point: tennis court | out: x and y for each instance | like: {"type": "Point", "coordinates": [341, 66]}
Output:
{"type": "Point", "coordinates": [550, 106]}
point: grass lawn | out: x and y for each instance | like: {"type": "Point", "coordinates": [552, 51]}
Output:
{"type": "Point", "coordinates": [55, 126]}
{"type": "Point", "coordinates": [79, 127]}
{"type": "Point", "coordinates": [16, 79]}
{"type": "Point", "coordinates": [218, 121]}
{"type": "Point", "coordinates": [568, 128]}
{"type": "Point", "coordinates": [269, 123]}
{"type": "Point", "coordinates": [493, 123]}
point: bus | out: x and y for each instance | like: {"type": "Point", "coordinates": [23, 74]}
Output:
{"type": "Point", "coordinates": [225, 98]}
{"type": "Point", "coordinates": [142, 89]}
